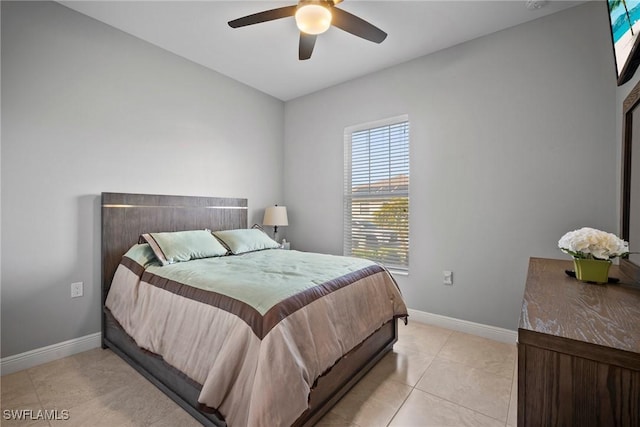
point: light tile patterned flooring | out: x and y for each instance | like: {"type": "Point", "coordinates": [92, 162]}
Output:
{"type": "Point", "coordinates": [434, 377]}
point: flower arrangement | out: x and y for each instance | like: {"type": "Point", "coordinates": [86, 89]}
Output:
{"type": "Point", "coordinates": [589, 243]}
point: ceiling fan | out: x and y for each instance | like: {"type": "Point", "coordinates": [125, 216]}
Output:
{"type": "Point", "coordinates": [314, 17]}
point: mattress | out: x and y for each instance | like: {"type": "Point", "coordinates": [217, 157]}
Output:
{"type": "Point", "coordinates": [254, 330]}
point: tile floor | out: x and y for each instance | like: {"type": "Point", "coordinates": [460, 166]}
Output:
{"type": "Point", "coordinates": [434, 377]}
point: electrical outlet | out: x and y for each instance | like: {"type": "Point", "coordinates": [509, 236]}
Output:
{"type": "Point", "coordinates": [448, 277]}
{"type": "Point", "coordinates": [76, 289]}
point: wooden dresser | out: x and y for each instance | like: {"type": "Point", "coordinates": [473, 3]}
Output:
{"type": "Point", "coordinates": [578, 350]}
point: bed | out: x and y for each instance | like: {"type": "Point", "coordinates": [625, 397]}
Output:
{"type": "Point", "coordinates": [204, 386]}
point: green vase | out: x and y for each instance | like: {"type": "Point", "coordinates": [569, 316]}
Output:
{"type": "Point", "coordinates": [592, 270]}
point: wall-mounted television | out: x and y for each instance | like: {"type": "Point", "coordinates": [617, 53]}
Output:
{"type": "Point", "coordinates": [624, 16]}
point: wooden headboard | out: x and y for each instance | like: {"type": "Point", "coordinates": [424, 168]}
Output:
{"type": "Point", "coordinates": [126, 216]}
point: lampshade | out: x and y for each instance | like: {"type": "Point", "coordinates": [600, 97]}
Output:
{"type": "Point", "coordinates": [313, 18]}
{"type": "Point", "coordinates": [276, 216]}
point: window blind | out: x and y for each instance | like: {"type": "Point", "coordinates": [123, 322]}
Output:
{"type": "Point", "coordinates": [376, 193]}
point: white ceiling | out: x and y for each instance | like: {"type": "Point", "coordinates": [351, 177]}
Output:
{"type": "Point", "coordinates": [265, 56]}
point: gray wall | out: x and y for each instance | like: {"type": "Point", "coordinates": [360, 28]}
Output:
{"type": "Point", "coordinates": [87, 109]}
{"type": "Point", "coordinates": [513, 143]}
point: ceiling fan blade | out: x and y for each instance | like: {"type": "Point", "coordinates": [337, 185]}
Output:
{"type": "Point", "coordinates": [357, 26]}
{"type": "Point", "coordinates": [307, 42]}
{"type": "Point", "coordinates": [267, 15]}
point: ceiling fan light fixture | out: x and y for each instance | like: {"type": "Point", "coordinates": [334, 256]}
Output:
{"type": "Point", "coordinates": [313, 18]}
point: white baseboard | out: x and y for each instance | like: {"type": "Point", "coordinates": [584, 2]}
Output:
{"type": "Point", "coordinates": [485, 331]}
{"type": "Point", "coordinates": [29, 359]}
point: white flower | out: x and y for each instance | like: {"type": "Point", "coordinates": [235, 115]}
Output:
{"type": "Point", "coordinates": [591, 243]}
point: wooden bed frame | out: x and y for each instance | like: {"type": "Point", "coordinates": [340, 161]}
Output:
{"type": "Point", "coordinates": [124, 218]}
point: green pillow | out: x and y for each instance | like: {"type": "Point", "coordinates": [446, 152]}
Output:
{"type": "Point", "coordinates": [246, 240]}
{"type": "Point", "coordinates": [142, 254]}
{"type": "Point", "coordinates": [181, 246]}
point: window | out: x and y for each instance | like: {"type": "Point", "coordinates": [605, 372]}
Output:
{"type": "Point", "coordinates": [376, 192]}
